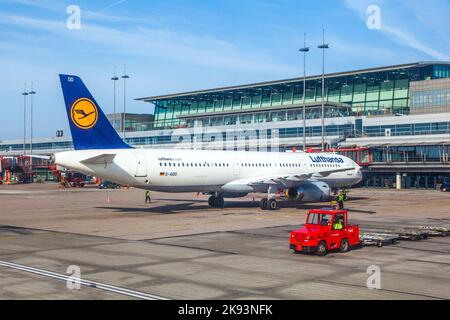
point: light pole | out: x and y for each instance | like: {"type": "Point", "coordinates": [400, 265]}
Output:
{"type": "Point", "coordinates": [323, 46]}
{"type": "Point", "coordinates": [25, 94]}
{"type": "Point", "coordinates": [114, 79]}
{"type": "Point", "coordinates": [305, 49]}
{"type": "Point", "coordinates": [124, 77]}
{"type": "Point", "coordinates": [31, 93]}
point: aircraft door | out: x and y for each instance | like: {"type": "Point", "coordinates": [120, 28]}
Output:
{"type": "Point", "coordinates": [141, 165]}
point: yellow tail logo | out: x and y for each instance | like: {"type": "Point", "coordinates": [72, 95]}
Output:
{"type": "Point", "coordinates": [84, 113]}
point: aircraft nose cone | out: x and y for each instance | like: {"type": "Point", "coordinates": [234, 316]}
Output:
{"type": "Point", "coordinates": [358, 172]}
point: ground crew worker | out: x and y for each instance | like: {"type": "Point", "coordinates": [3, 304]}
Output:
{"type": "Point", "coordinates": [340, 201]}
{"type": "Point", "coordinates": [337, 224]}
{"type": "Point", "coordinates": [344, 192]}
{"type": "Point", "coordinates": [147, 197]}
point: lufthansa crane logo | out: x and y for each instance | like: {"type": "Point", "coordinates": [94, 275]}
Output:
{"type": "Point", "coordinates": [84, 113]}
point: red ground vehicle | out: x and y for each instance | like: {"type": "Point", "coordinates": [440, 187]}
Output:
{"type": "Point", "coordinates": [325, 230]}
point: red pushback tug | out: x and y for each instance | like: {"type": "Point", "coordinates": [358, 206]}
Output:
{"type": "Point", "coordinates": [325, 230]}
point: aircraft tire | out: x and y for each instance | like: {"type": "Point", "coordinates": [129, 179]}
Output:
{"type": "Point", "coordinates": [219, 202]}
{"type": "Point", "coordinates": [272, 205]}
{"type": "Point", "coordinates": [212, 201]}
{"type": "Point", "coordinates": [263, 204]}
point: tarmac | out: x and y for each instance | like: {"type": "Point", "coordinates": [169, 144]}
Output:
{"type": "Point", "coordinates": [179, 248]}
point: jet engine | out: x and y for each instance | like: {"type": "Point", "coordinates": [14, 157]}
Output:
{"type": "Point", "coordinates": [310, 192]}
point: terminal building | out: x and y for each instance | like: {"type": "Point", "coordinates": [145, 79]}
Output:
{"type": "Point", "coordinates": [394, 121]}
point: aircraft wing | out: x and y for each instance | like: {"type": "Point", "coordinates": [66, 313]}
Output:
{"type": "Point", "coordinates": [288, 180]}
{"type": "Point", "coordinates": [101, 159]}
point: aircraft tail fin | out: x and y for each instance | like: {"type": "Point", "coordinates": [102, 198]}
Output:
{"type": "Point", "coordinates": [88, 124]}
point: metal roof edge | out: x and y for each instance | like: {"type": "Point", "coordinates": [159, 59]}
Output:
{"type": "Point", "coordinates": [285, 81]}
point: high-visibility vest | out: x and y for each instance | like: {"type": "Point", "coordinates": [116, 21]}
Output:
{"type": "Point", "coordinates": [337, 225]}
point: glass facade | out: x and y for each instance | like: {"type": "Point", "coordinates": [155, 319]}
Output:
{"type": "Point", "coordinates": [409, 180]}
{"type": "Point", "coordinates": [410, 154]}
{"type": "Point", "coordinates": [430, 96]}
{"type": "Point", "coordinates": [268, 116]}
{"type": "Point", "coordinates": [412, 129]}
{"type": "Point", "coordinates": [370, 92]}
{"type": "Point", "coordinates": [37, 146]}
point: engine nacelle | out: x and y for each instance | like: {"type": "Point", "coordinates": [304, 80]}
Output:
{"type": "Point", "coordinates": [310, 192]}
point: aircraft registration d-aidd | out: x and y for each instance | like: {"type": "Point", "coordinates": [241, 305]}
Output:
{"type": "Point", "coordinates": [99, 151]}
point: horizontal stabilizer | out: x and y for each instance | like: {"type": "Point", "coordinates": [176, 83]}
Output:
{"type": "Point", "coordinates": [101, 159]}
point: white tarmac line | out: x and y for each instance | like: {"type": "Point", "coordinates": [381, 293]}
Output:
{"type": "Point", "coordinates": [87, 283]}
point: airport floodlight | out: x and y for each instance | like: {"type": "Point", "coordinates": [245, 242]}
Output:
{"type": "Point", "coordinates": [323, 47]}
{"type": "Point", "coordinates": [24, 94]}
{"type": "Point", "coordinates": [115, 78]}
{"type": "Point", "coordinates": [304, 50]}
{"type": "Point", "coordinates": [124, 77]}
{"type": "Point", "coordinates": [31, 93]}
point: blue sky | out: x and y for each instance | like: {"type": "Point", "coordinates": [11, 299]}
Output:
{"type": "Point", "coordinates": [171, 46]}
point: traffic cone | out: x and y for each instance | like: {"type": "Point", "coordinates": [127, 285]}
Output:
{"type": "Point", "coordinates": [109, 199]}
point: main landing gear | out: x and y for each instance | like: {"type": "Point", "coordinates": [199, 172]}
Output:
{"type": "Point", "coordinates": [269, 203]}
{"type": "Point", "coordinates": [216, 201]}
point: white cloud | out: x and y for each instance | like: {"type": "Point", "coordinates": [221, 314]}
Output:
{"type": "Point", "coordinates": [160, 43]}
{"type": "Point", "coordinates": [406, 38]}
{"type": "Point", "coordinates": [403, 27]}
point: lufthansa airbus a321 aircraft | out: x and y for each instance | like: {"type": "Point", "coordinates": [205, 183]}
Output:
{"type": "Point", "coordinates": [99, 151]}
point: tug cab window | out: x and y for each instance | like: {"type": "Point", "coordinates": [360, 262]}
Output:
{"type": "Point", "coordinates": [319, 219]}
